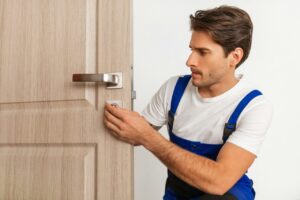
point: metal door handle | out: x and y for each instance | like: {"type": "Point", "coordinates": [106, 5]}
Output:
{"type": "Point", "coordinates": [111, 80]}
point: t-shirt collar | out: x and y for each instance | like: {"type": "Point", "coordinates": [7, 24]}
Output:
{"type": "Point", "coordinates": [229, 92]}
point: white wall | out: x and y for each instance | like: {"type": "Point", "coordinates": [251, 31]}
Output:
{"type": "Point", "coordinates": [161, 38]}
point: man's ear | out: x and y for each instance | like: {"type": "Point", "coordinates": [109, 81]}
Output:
{"type": "Point", "coordinates": [236, 56]}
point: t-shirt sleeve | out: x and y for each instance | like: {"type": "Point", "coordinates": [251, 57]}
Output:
{"type": "Point", "coordinates": [253, 125]}
{"type": "Point", "coordinates": [156, 112]}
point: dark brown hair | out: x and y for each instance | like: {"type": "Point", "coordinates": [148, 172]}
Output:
{"type": "Point", "coordinates": [229, 26]}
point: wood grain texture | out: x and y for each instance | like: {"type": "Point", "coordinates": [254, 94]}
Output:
{"type": "Point", "coordinates": [115, 52]}
{"type": "Point", "coordinates": [44, 41]}
{"type": "Point", "coordinates": [53, 144]}
{"type": "Point", "coordinates": [45, 172]}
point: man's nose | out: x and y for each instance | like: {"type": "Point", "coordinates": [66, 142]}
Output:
{"type": "Point", "coordinates": [191, 61]}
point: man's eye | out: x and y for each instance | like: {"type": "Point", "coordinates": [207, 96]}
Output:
{"type": "Point", "coordinates": [203, 53]}
{"type": "Point", "coordinates": [199, 51]}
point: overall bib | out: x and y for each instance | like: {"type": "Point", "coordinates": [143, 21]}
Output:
{"type": "Point", "coordinates": [176, 189]}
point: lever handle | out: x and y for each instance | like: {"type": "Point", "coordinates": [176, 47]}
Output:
{"type": "Point", "coordinates": [111, 80]}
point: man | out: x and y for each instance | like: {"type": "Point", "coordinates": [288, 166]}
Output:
{"type": "Point", "coordinates": [216, 121]}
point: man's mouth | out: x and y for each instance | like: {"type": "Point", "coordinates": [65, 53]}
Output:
{"type": "Point", "coordinates": [196, 73]}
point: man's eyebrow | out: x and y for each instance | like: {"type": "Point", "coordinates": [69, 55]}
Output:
{"type": "Point", "coordinates": [200, 48]}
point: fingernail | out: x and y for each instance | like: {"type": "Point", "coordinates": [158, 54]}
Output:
{"type": "Point", "coordinates": [114, 105]}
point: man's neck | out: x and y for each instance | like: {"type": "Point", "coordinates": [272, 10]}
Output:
{"type": "Point", "coordinates": [217, 88]}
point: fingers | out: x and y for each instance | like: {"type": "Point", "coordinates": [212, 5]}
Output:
{"type": "Point", "coordinates": [116, 132]}
{"type": "Point", "coordinates": [118, 111]}
{"type": "Point", "coordinates": [110, 125]}
{"type": "Point", "coordinates": [112, 119]}
{"type": "Point", "coordinates": [115, 110]}
{"type": "Point", "coordinates": [115, 120]}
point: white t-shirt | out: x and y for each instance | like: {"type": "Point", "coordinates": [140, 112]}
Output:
{"type": "Point", "coordinates": [203, 119]}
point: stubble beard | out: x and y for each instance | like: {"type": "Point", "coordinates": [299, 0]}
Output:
{"type": "Point", "coordinates": [203, 83]}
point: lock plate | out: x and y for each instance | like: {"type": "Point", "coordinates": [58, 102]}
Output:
{"type": "Point", "coordinates": [119, 76]}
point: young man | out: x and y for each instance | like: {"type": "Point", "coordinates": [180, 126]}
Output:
{"type": "Point", "coordinates": [216, 122]}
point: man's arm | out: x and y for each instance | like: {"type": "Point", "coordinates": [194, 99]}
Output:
{"type": "Point", "coordinates": [214, 177]}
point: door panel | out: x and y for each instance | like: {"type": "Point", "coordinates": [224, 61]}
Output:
{"type": "Point", "coordinates": [47, 169]}
{"type": "Point", "coordinates": [53, 144]}
{"type": "Point", "coordinates": [45, 42]}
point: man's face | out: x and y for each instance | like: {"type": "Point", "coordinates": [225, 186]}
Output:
{"type": "Point", "coordinates": [207, 61]}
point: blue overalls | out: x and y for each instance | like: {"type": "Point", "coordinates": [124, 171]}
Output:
{"type": "Point", "coordinates": [176, 189]}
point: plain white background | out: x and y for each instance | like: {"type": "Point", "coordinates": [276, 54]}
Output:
{"type": "Point", "coordinates": [161, 38]}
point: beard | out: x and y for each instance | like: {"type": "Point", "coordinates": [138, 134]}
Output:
{"type": "Point", "coordinates": [198, 79]}
{"type": "Point", "coordinates": [202, 80]}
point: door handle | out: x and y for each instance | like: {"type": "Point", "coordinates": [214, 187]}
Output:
{"type": "Point", "coordinates": [111, 80]}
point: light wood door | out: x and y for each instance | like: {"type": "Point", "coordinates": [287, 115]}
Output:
{"type": "Point", "coordinates": [53, 144]}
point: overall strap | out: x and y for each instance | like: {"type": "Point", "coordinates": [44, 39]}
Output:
{"type": "Point", "coordinates": [230, 126]}
{"type": "Point", "coordinates": [179, 89]}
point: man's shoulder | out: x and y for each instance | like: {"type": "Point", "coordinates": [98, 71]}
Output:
{"type": "Point", "coordinates": [176, 77]}
{"type": "Point", "coordinates": [261, 101]}
{"type": "Point", "coordinates": [171, 82]}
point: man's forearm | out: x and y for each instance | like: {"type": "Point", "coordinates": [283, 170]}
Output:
{"type": "Point", "coordinates": [215, 177]}
{"type": "Point", "coordinates": [196, 170]}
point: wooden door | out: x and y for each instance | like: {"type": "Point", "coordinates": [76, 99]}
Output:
{"type": "Point", "coordinates": [53, 144]}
